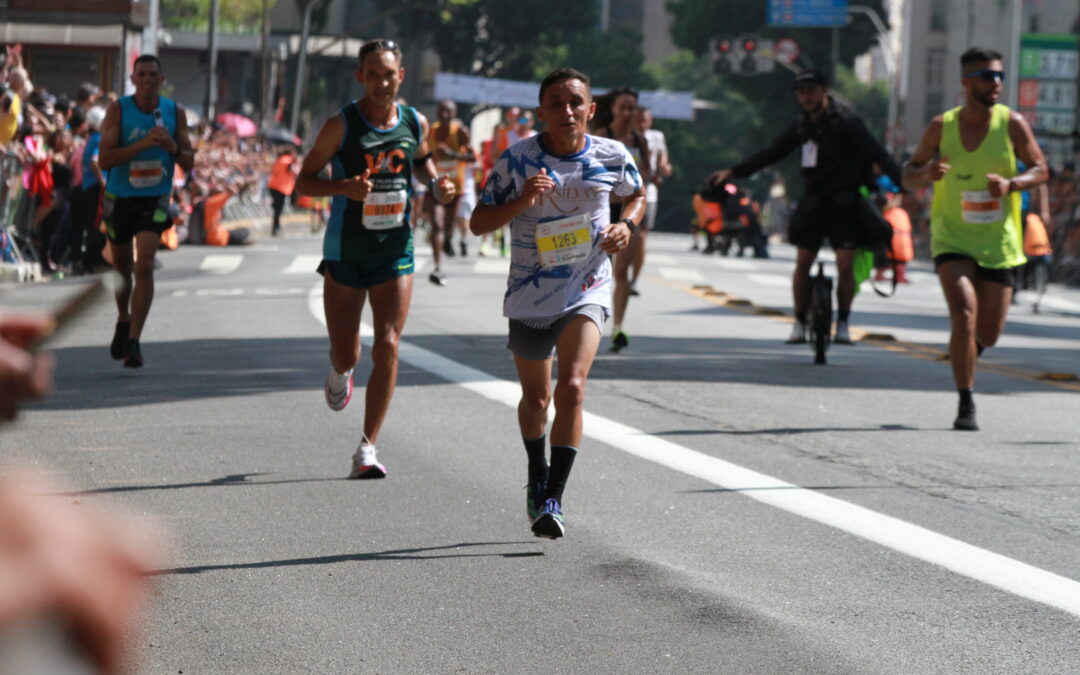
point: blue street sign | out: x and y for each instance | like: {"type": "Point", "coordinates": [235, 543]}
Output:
{"type": "Point", "coordinates": [808, 13]}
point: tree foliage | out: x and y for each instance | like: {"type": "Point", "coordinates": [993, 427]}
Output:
{"type": "Point", "coordinates": [239, 16]}
{"type": "Point", "coordinates": [492, 38]}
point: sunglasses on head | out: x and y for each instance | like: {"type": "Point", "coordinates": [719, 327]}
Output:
{"type": "Point", "coordinates": [382, 45]}
{"type": "Point", "coordinates": [987, 74]}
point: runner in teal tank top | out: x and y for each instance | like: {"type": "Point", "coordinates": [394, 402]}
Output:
{"type": "Point", "coordinates": [144, 136]}
{"type": "Point", "coordinates": [974, 221]}
{"type": "Point", "coordinates": [373, 145]}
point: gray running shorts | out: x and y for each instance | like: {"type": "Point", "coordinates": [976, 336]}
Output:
{"type": "Point", "coordinates": [538, 344]}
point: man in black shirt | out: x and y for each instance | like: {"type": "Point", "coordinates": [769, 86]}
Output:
{"type": "Point", "coordinates": [838, 154]}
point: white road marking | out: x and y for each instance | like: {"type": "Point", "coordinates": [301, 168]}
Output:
{"type": "Point", "coordinates": [734, 264]}
{"type": "Point", "coordinates": [681, 274]}
{"type": "Point", "coordinates": [661, 259]}
{"type": "Point", "coordinates": [1013, 576]}
{"type": "Point", "coordinates": [500, 266]}
{"type": "Point", "coordinates": [769, 279]}
{"type": "Point", "coordinates": [303, 264]}
{"type": "Point", "coordinates": [224, 292]}
{"type": "Point", "coordinates": [221, 263]}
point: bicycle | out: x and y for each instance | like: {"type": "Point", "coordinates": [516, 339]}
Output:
{"type": "Point", "coordinates": [820, 313]}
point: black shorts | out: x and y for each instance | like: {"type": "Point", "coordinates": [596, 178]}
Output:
{"type": "Point", "coordinates": [1004, 275]}
{"type": "Point", "coordinates": [830, 216]}
{"type": "Point", "coordinates": [124, 217]}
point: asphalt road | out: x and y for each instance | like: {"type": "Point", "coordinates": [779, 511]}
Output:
{"type": "Point", "coordinates": [734, 508]}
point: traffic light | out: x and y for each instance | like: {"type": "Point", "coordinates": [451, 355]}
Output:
{"type": "Point", "coordinates": [722, 56]}
{"type": "Point", "coordinates": [748, 64]}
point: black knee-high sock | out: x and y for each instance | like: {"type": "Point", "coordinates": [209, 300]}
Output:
{"type": "Point", "coordinates": [562, 460]}
{"type": "Point", "coordinates": [537, 449]}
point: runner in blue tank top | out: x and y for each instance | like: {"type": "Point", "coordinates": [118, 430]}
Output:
{"type": "Point", "coordinates": [373, 146]}
{"type": "Point", "coordinates": [143, 137]}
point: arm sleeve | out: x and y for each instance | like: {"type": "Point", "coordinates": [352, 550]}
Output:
{"type": "Point", "coordinates": [780, 148]}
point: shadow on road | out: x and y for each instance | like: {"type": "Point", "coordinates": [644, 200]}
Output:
{"type": "Point", "coordinates": [231, 480]}
{"type": "Point", "coordinates": [394, 554]}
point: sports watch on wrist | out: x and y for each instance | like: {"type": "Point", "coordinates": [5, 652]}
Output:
{"type": "Point", "coordinates": [630, 224]}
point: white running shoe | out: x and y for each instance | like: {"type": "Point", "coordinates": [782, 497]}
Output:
{"type": "Point", "coordinates": [337, 399]}
{"type": "Point", "coordinates": [798, 333]}
{"type": "Point", "coordinates": [843, 335]}
{"type": "Point", "coordinates": [365, 464]}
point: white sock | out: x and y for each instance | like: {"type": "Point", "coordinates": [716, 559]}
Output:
{"type": "Point", "coordinates": [616, 328]}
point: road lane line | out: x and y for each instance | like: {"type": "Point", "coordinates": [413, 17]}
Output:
{"type": "Point", "coordinates": [221, 263]}
{"type": "Point", "coordinates": [687, 274]}
{"type": "Point", "coordinates": [304, 263]}
{"type": "Point", "coordinates": [1013, 576]}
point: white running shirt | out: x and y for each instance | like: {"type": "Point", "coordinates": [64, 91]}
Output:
{"type": "Point", "coordinates": [556, 264]}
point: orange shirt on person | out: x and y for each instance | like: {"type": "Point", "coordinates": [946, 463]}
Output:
{"type": "Point", "coordinates": [1036, 239]}
{"type": "Point", "coordinates": [282, 178]}
{"type": "Point", "coordinates": [901, 249]}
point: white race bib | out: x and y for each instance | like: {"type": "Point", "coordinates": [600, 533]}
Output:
{"type": "Point", "coordinates": [979, 208]}
{"type": "Point", "coordinates": [384, 210]}
{"type": "Point", "coordinates": [565, 241]}
{"type": "Point", "coordinates": [145, 173]}
{"type": "Point", "coordinates": [809, 155]}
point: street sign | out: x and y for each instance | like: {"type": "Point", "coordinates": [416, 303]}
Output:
{"type": "Point", "coordinates": [807, 13]}
{"type": "Point", "coordinates": [786, 51]}
{"type": "Point", "coordinates": [1047, 93]}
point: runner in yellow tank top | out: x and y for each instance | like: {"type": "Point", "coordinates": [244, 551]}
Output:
{"type": "Point", "coordinates": [975, 217]}
{"type": "Point", "coordinates": [452, 150]}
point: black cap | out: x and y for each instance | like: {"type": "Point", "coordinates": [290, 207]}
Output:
{"type": "Point", "coordinates": [809, 78]}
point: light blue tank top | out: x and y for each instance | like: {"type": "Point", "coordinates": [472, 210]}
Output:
{"type": "Point", "coordinates": [149, 173]}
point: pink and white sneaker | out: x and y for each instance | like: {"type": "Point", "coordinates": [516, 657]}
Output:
{"type": "Point", "coordinates": [338, 399]}
{"type": "Point", "coordinates": [364, 463]}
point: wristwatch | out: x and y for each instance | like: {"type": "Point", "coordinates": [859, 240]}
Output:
{"type": "Point", "coordinates": [630, 224]}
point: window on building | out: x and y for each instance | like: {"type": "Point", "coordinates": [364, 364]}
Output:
{"type": "Point", "coordinates": [935, 105]}
{"type": "Point", "coordinates": [938, 11]}
{"type": "Point", "coordinates": [935, 69]}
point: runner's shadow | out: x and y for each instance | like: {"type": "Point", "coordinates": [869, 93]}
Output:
{"type": "Point", "coordinates": [191, 370]}
{"type": "Point", "coordinates": [230, 480]}
{"type": "Point", "coordinates": [394, 554]}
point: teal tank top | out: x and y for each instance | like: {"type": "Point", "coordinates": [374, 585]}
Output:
{"type": "Point", "coordinates": [378, 227]}
{"type": "Point", "coordinates": [149, 173]}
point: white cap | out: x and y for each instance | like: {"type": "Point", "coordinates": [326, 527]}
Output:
{"type": "Point", "coordinates": [94, 117]}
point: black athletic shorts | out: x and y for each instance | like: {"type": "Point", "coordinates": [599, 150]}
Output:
{"type": "Point", "coordinates": [124, 217]}
{"type": "Point", "coordinates": [1005, 275]}
{"type": "Point", "coordinates": [827, 216]}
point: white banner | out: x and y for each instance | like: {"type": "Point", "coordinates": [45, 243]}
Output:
{"type": "Point", "coordinates": [672, 105]}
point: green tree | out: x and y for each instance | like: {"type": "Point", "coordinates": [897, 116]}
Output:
{"type": "Point", "coordinates": [235, 16]}
{"type": "Point", "coordinates": [492, 38]}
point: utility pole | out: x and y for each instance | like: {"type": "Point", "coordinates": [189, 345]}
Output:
{"type": "Point", "coordinates": [264, 70]}
{"type": "Point", "coordinates": [149, 44]}
{"type": "Point", "coordinates": [210, 103]}
{"type": "Point", "coordinates": [294, 118]}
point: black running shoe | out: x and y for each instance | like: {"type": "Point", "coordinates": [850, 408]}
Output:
{"type": "Point", "coordinates": [965, 418]}
{"type": "Point", "coordinates": [619, 341]}
{"type": "Point", "coordinates": [119, 339]}
{"type": "Point", "coordinates": [132, 354]}
{"type": "Point", "coordinates": [550, 524]}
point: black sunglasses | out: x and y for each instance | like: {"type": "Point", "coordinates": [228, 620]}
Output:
{"type": "Point", "coordinates": [987, 74]}
{"type": "Point", "coordinates": [381, 45]}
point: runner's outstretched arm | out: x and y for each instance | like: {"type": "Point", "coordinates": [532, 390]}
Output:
{"type": "Point", "coordinates": [922, 169]}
